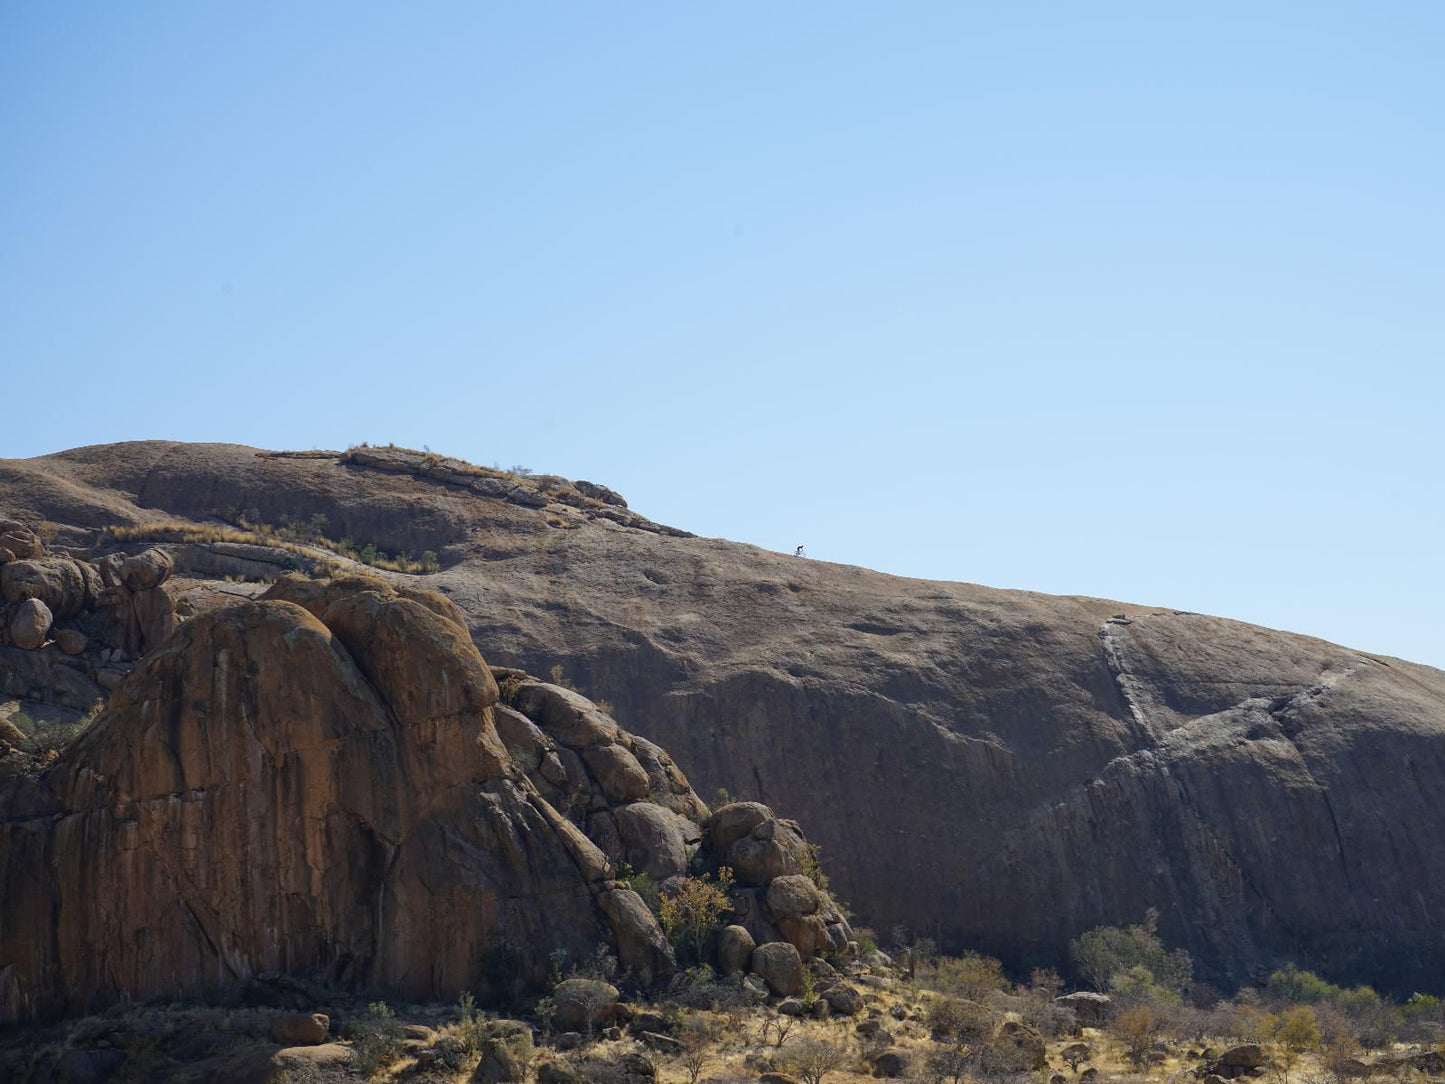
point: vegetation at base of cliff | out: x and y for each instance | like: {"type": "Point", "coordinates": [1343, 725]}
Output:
{"type": "Point", "coordinates": [302, 538]}
{"type": "Point", "coordinates": [919, 1028]}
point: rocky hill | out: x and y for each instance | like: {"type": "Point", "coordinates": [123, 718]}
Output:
{"type": "Point", "coordinates": [996, 769]}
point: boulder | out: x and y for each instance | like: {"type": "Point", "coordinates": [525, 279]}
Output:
{"type": "Point", "coordinates": [732, 822]}
{"type": "Point", "coordinates": [558, 1071]}
{"type": "Point", "coordinates": [499, 1064]}
{"type": "Point", "coordinates": [652, 839]}
{"type": "Point", "coordinates": [807, 934]}
{"type": "Point", "coordinates": [59, 582]}
{"type": "Point", "coordinates": [778, 964]}
{"type": "Point", "coordinates": [773, 849]}
{"type": "Point", "coordinates": [19, 541]}
{"type": "Point", "coordinates": [1244, 1056]}
{"type": "Point", "coordinates": [155, 618]}
{"type": "Point", "coordinates": [312, 1060]}
{"type": "Point", "coordinates": [71, 641]}
{"type": "Point", "coordinates": [892, 1063]}
{"type": "Point", "coordinates": [567, 716]}
{"type": "Point", "coordinates": [617, 771]}
{"type": "Point", "coordinates": [599, 492]}
{"type": "Point", "coordinates": [146, 570]}
{"type": "Point", "coordinates": [301, 1029]}
{"type": "Point", "coordinates": [792, 895]}
{"type": "Point", "coordinates": [336, 757]}
{"type": "Point", "coordinates": [843, 1000]}
{"type": "Point", "coordinates": [734, 950]}
{"type": "Point", "coordinates": [642, 948]}
{"type": "Point", "coordinates": [30, 624]}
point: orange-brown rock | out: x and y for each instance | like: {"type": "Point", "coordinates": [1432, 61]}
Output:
{"type": "Point", "coordinates": [270, 793]}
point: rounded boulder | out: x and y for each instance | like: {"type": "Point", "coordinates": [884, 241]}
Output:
{"type": "Point", "coordinates": [30, 624]}
{"type": "Point", "coordinates": [780, 966]}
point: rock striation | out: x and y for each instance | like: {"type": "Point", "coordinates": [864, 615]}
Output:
{"type": "Point", "coordinates": [1017, 768]}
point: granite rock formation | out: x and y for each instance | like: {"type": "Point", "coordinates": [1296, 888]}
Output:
{"type": "Point", "coordinates": [315, 783]}
{"type": "Point", "coordinates": [1016, 768]}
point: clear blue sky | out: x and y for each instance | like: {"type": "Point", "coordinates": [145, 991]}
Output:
{"type": "Point", "coordinates": [1137, 300]}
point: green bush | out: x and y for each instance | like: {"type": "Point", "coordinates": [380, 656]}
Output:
{"type": "Point", "coordinates": [1105, 951]}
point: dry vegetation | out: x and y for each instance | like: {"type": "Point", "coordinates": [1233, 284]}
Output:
{"type": "Point", "coordinates": [306, 539]}
{"type": "Point", "coordinates": [922, 1017]}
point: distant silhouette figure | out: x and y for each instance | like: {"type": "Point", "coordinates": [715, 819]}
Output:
{"type": "Point", "coordinates": [799, 552]}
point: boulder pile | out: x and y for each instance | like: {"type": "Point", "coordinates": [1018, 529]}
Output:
{"type": "Point", "coordinates": [70, 628]}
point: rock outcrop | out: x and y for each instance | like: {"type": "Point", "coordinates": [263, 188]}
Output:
{"type": "Point", "coordinates": [343, 744]}
{"type": "Point", "coordinates": [1018, 768]}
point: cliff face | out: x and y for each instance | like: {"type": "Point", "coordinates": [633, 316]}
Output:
{"type": "Point", "coordinates": [998, 769]}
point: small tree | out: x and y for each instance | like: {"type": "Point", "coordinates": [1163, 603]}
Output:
{"type": "Point", "coordinates": [813, 1059]}
{"type": "Point", "coordinates": [778, 1026]}
{"type": "Point", "coordinates": [1138, 1028]}
{"type": "Point", "coordinates": [692, 911]}
{"type": "Point", "coordinates": [1296, 1033]}
{"type": "Point", "coordinates": [1104, 951]}
{"type": "Point", "coordinates": [697, 1038]}
{"type": "Point", "coordinates": [591, 996]}
{"type": "Point", "coordinates": [951, 1062]}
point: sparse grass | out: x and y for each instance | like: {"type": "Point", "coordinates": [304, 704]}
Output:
{"type": "Point", "coordinates": [303, 539]}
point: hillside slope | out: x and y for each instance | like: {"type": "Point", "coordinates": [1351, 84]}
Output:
{"type": "Point", "coordinates": [997, 769]}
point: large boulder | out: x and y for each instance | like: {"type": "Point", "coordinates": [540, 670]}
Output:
{"type": "Point", "coordinates": [734, 950]}
{"type": "Point", "coordinates": [652, 839]}
{"type": "Point", "coordinates": [772, 849]}
{"type": "Point", "coordinates": [301, 1029]}
{"type": "Point", "coordinates": [59, 582]}
{"type": "Point", "coordinates": [617, 771]}
{"type": "Point", "coordinates": [642, 949]}
{"type": "Point", "coordinates": [780, 966]}
{"type": "Point", "coordinates": [792, 896]}
{"type": "Point", "coordinates": [30, 623]}
{"type": "Point", "coordinates": [146, 570]}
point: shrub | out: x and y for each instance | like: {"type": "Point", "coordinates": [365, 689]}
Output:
{"type": "Point", "coordinates": [1104, 951]}
{"type": "Point", "coordinates": [1295, 1033]}
{"type": "Point", "coordinates": [812, 1059]}
{"type": "Point", "coordinates": [689, 914]}
{"type": "Point", "coordinates": [952, 1019]}
{"type": "Point", "coordinates": [972, 976]}
{"type": "Point", "coordinates": [376, 1038]}
{"type": "Point", "coordinates": [1139, 1029]}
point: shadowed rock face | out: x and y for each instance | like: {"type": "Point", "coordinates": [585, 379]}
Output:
{"type": "Point", "coordinates": [997, 769]}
